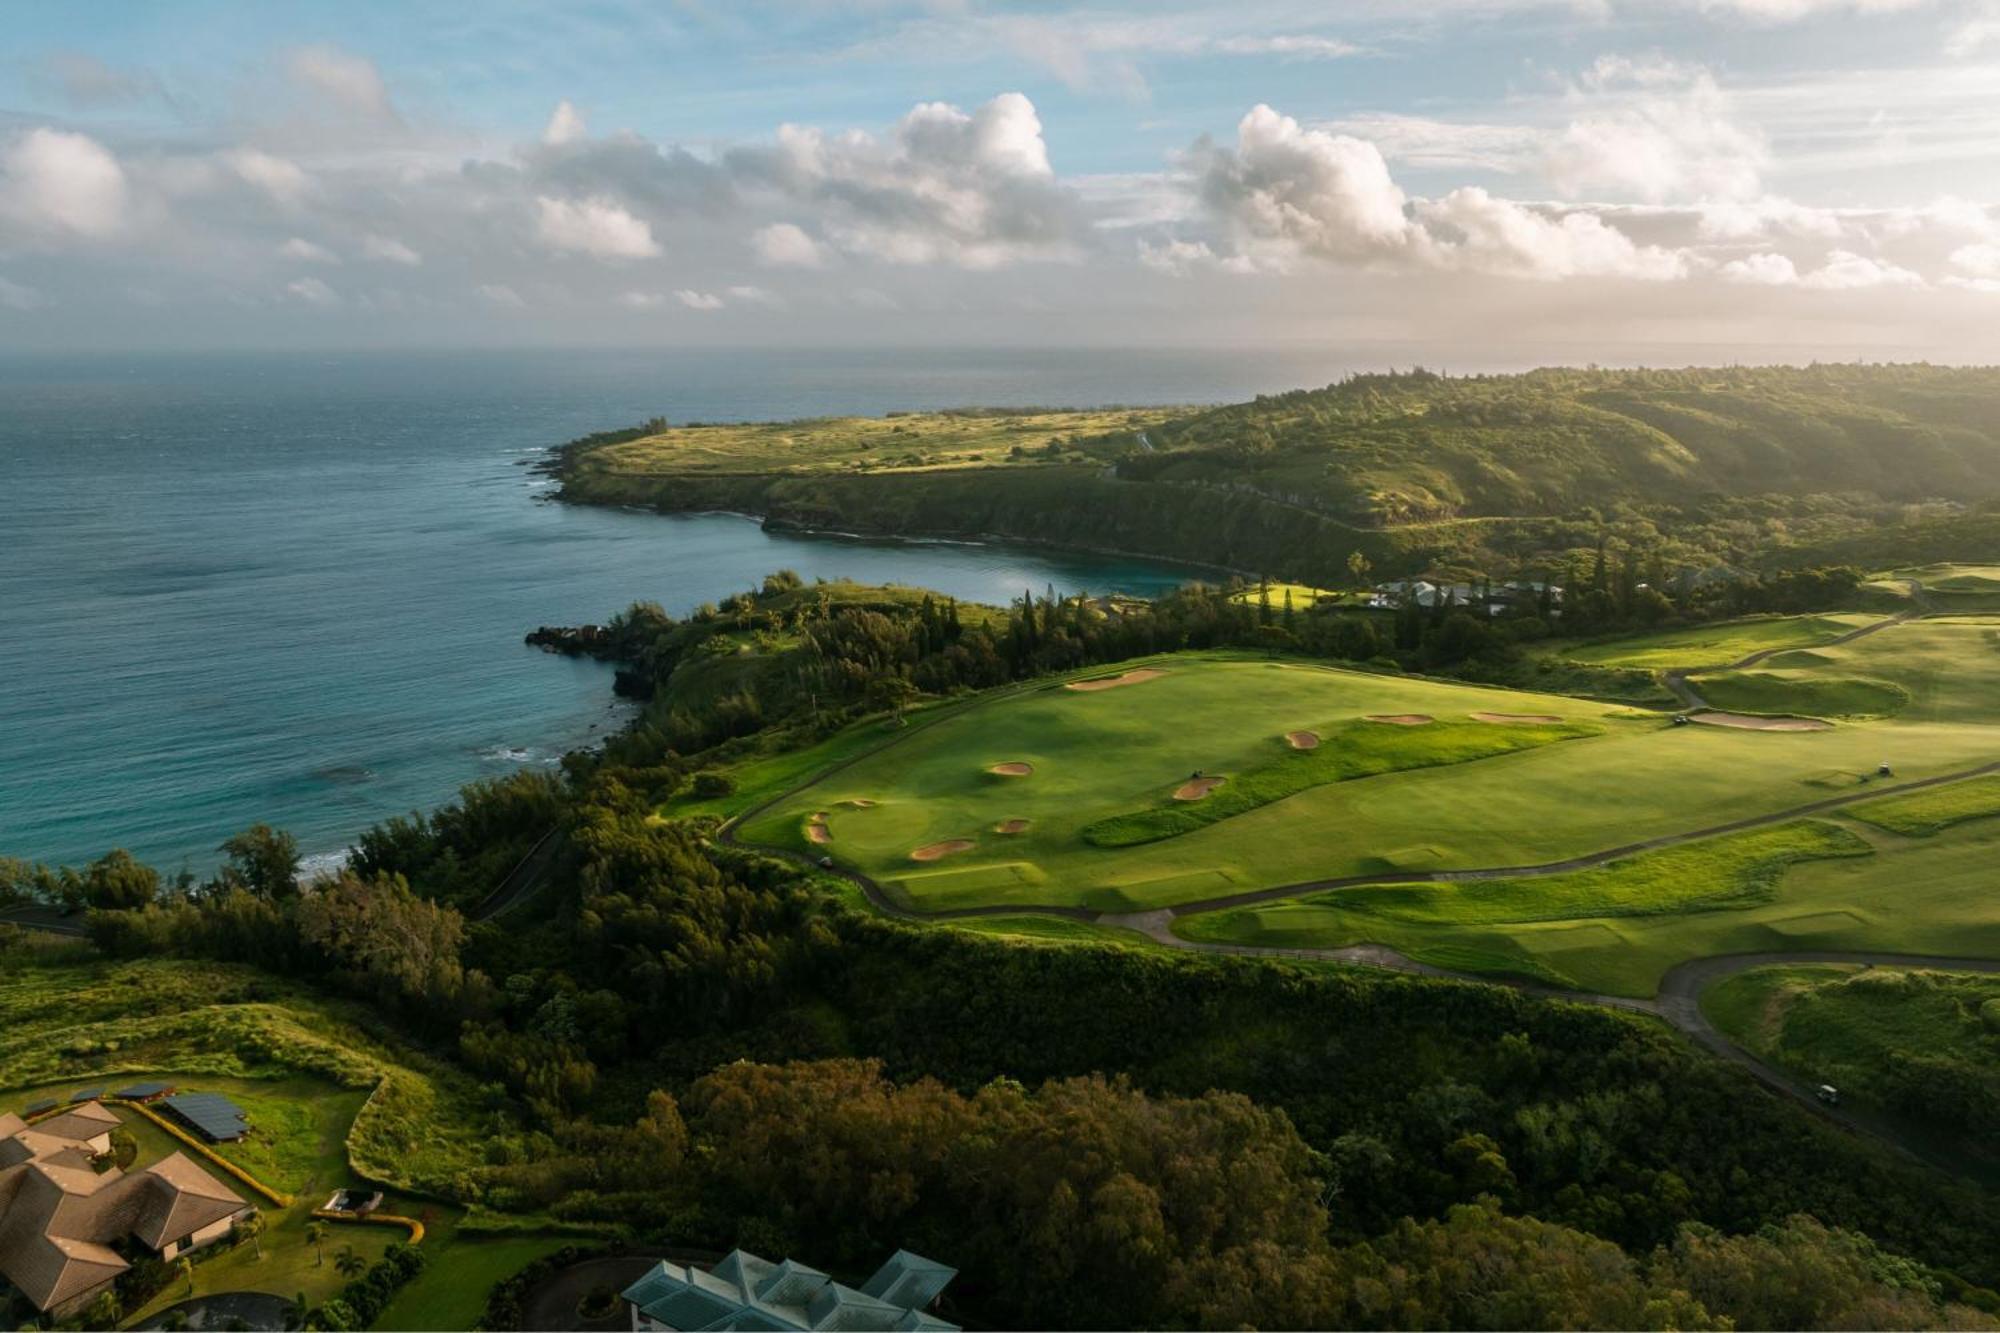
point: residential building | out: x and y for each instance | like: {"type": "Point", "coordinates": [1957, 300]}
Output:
{"type": "Point", "coordinates": [746, 1292]}
{"type": "Point", "coordinates": [60, 1216]}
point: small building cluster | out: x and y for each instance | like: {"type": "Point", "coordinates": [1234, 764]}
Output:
{"type": "Point", "coordinates": [60, 1215]}
{"type": "Point", "coordinates": [746, 1292]}
{"type": "Point", "coordinates": [1498, 597]}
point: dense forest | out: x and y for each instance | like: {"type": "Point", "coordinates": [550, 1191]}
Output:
{"type": "Point", "coordinates": [1738, 468]}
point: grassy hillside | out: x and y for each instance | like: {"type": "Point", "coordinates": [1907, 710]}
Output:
{"type": "Point", "coordinates": [1414, 470]}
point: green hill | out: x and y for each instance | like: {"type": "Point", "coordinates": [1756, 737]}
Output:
{"type": "Point", "coordinates": [1416, 470]}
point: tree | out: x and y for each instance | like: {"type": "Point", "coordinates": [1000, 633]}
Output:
{"type": "Point", "coordinates": [1358, 567]}
{"type": "Point", "coordinates": [263, 860]}
{"type": "Point", "coordinates": [251, 1228]}
{"type": "Point", "coordinates": [124, 1148]}
{"type": "Point", "coordinates": [316, 1237]}
{"type": "Point", "coordinates": [349, 1262]}
{"type": "Point", "coordinates": [296, 1312]}
{"type": "Point", "coordinates": [116, 882]}
{"type": "Point", "coordinates": [185, 1267]}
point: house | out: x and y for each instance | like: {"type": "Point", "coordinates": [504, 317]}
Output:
{"type": "Point", "coordinates": [746, 1292]}
{"type": "Point", "coordinates": [60, 1216]}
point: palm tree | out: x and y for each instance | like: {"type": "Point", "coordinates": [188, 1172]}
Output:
{"type": "Point", "coordinates": [185, 1266]}
{"type": "Point", "coordinates": [316, 1237]}
{"type": "Point", "coordinates": [349, 1262]}
{"type": "Point", "coordinates": [252, 1226]}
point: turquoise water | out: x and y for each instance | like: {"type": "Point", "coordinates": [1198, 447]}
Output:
{"type": "Point", "coordinates": [293, 588]}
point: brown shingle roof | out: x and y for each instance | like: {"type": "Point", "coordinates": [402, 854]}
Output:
{"type": "Point", "coordinates": [57, 1214]}
{"type": "Point", "coordinates": [79, 1123]}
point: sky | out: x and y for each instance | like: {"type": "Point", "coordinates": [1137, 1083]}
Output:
{"type": "Point", "coordinates": [1480, 182]}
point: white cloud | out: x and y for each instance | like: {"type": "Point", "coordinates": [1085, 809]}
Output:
{"type": "Point", "coordinates": [1981, 260]}
{"type": "Point", "coordinates": [971, 189]}
{"type": "Point", "coordinates": [312, 291]}
{"type": "Point", "coordinates": [1654, 130]}
{"type": "Point", "coordinates": [390, 251]}
{"type": "Point", "coordinates": [1291, 45]}
{"type": "Point", "coordinates": [62, 183]}
{"type": "Point", "coordinates": [566, 125]}
{"type": "Point", "coordinates": [1846, 271]}
{"type": "Point", "coordinates": [303, 250]}
{"type": "Point", "coordinates": [752, 295]}
{"type": "Point", "coordinates": [15, 296]}
{"type": "Point", "coordinates": [1290, 190]}
{"type": "Point", "coordinates": [500, 294]}
{"type": "Point", "coordinates": [1471, 229]}
{"type": "Point", "coordinates": [285, 181]}
{"type": "Point", "coordinates": [596, 227]}
{"type": "Point", "coordinates": [694, 300]}
{"type": "Point", "coordinates": [784, 244]}
{"type": "Point", "coordinates": [349, 81]}
{"type": "Point", "coordinates": [1762, 270]}
{"type": "Point", "coordinates": [1790, 11]}
{"type": "Point", "coordinates": [638, 300]}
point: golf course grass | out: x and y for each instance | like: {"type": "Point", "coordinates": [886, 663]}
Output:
{"type": "Point", "coordinates": [1719, 644]}
{"type": "Point", "coordinates": [1312, 774]}
{"type": "Point", "coordinates": [1801, 691]}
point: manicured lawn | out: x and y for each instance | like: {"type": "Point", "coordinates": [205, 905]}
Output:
{"type": "Point", "coordinates": [1718, 644]}
{"type": "Point", "coordinates": [1924, 813]}
{"type": "Point", "coordinates": [1808, 692]}
{"type": "Point", "coordinates": [1929, 895]}
{"type": "Point", "coordinates": [458, 1273]}
{"type": "Point", "coordinates": [1303, 596]}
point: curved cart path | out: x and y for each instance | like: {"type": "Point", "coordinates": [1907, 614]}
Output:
{"type": "Point", "coordinates": [1676, 678]}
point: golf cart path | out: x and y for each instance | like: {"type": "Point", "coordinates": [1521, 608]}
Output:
{"type": "Point", "coordinates": [1676, 678]}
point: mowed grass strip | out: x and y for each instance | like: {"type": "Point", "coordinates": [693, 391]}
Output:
{"type": "Point", "coordinates": [1349, 750]}
{"type": "Point", "coordinates": [1812, 694]}
{"type": "Point", "coordinates": [1719, 644]}
{"type": "Point", "coordinates": [1923, 814]}
{"type": "Point", "coordinates": [1737, 871]}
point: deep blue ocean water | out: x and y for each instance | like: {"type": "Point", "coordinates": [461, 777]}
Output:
{"type": "Point", "coordinates": [292, 587]}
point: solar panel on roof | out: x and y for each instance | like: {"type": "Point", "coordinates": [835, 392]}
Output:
{"type": "Point", "coordinates": [42, 1105]}
{"type": "Point", "coordinates": [138, 1092]}
{"type": "Point", "coordinates": [87, 1095]}
{"type": "Point", "coordinates": [210, 1113]}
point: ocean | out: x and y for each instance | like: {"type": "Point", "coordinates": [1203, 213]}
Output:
{"type": "Point", "coordinates": [291, 587]}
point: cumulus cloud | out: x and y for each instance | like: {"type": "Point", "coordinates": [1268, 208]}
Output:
{"type": "Point", "coordinates": [1288, 190]}
{"type": "Point", "coordinates": [638, 300]}
{"type": "Point", "coordinates": [973, 189]}
{"type": "Point", "coordinates": [312, 291]}
{"type": "Point", "coordinates": [1761, 270]}
{"type": "Point", "coordinates": [306, 252]}
{"type": "Point", "coordinates": [61, 183]}
{"type": "Point", "coordinates": [1981, 260]}
{"type": "Point", "coordinates": [596, 227]}
{"type": "Point", "coordinates": [565, 125]}
{"type": "Point", "coordinates": [1654, 130]}
{"type": "Point", "coordinates": [284, 181]}
{"type": "Point", "coordinates": [390, 251]}
{"type": "Point", "coordinates": [349, 82]}
{"type": "Point", "coordinates": [1846, 271]}
{"type": "Point", "coordinates": [500, 294]}
{"type": "Point", "coordinates": [1472, 230]}
{"type": "Point", "coordinates": [748, 294]}
{"type": "Point", "coordinates": [785, 244]}
{"type": "Point", "coordinates": [694, 300]}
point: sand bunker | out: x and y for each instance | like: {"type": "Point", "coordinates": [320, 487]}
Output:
{"type": "Point", "coordinates": [942, 849]}
{"type": "Point", "coordinates": [1113, 682]}
{"type": "Point", "coordinates": [1745, 722]}
{"type": "Point", "coordinates": [1196, 788]}
{"type": "Point", "coordinates": [1505, 718]}
{"type": "Point", "coordinates": [816, 829]}
{"type": "Point", "coordinates": [1401, 719]}
{"type": "Point", "coordinates": [861, 803]}
{"type": "Point", "coordinates": [1012, 769]}
{"type": "Point", "coordinates": [1302, 740]}
{"type": "Point", "coordinates": [1011, 826]}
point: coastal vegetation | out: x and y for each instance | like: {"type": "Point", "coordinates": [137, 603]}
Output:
{"type": "Point", "coordinates": [1694, 469]}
